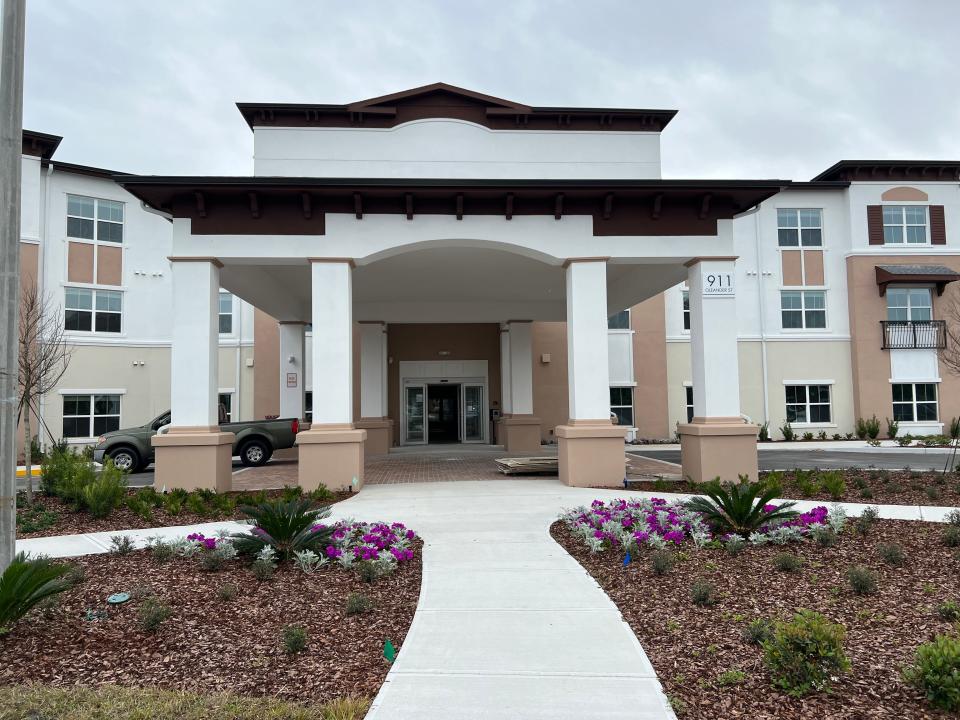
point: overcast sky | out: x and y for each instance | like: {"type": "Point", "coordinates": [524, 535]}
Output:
{"type": "Point", "coordinates": [765, 89]}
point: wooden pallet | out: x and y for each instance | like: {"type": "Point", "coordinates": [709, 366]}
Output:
{"type": "Point", "coordinates": [528, 465]}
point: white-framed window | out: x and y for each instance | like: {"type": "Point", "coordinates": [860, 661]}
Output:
{"type": "Point", "coordinates": [909, 304]}
{"type": "Point", "coordinates": [800, 227]}
{"type": "Point", "coordinates": [621, 405]}
{"type": "Point", "coordinates": [88, 310]}
{"type": "Point", "coordinates": [619, 321]}
{"type": "Point", "coordinates": [94, 219]}
{"type": "Point", "coordinates": [225, 313]}
{"type": "Point", "coordinates": [308, 405]}
{"type": "Point", "coordinates": [686, 310]}
{"type": "Point", "coordinates": [88, 416]}
{"type": "Point", "coordinates": [225, 400]}
{"type": "Point", "coordinates": [808, 404]}
{"type": "Point", "coordinates": [803, 309]}
{"type": "Point", "coordinates": [905, 225]}
{"type": "Point", "coordinates": [915, 402]}
{"type": "Point", "coordinates": [688, 391]}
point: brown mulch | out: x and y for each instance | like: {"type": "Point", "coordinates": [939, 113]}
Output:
{"type": "Point", "coordinates": [691, 646]}
{"type": "Point", "coordinates": [71, 522]}
{"type": "Point", "coordinates": [209, 644]}
{"type": "Point", "coordinates": [873, 487]}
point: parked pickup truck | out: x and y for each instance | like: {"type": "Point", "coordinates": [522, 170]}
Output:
{"type": "Point", "coordinates": [255, 441]}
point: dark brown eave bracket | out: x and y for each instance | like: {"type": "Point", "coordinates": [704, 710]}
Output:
{"type": "Point", "coordinates": [938, 279]}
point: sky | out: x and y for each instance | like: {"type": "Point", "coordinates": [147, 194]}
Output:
{"type": "Point", "coordinates": [764, 89]}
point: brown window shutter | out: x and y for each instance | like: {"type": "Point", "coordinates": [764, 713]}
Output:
{"type": "Point", "coordinates": [938, 229]}
{"type": "Point", "coordinates": [875, 224]}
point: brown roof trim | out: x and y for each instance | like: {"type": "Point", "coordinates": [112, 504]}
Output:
{"type": "Point", "coordinates": [892, 170]}
{"type": "Point", "coordinates": [440, 100]}
{"type": "Point", "coordinates": [279, 205]}
{"type": "Point", "coordinates": [819, 185]}
{"type": "Point", "coordinates": [40, 144]}
{"type": "Point", "coordinates": [85, 170]}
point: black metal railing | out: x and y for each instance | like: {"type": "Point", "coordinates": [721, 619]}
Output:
{"type": "Point", "coordinates": [906, 335]}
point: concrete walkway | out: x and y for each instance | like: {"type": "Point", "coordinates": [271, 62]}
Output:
{"type": "Point", "coordinates": [508, 624]}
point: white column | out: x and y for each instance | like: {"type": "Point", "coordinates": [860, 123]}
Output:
{"type": "Point", "coordinates": [194, 343]}
{"type": "Point", "coordinates": [713, 339]}
{"type": "Point", "coordinates": [521, 367]}
{"type": "Point", "coordinates": [506, 405]}
{"type": "Point", "coordinates": [587, 344]}
{"type": "Point", "coordinates": [332, 342]}
{"type": "Point", "coordinates": [373, 370]}
{"type": "Point", "coordinates": [292, 379]}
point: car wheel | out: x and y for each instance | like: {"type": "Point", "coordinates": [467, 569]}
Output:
{"type": "Point", "coordinates": [254, 452]}
{"type": "Point", "coordinates": [126, 459]}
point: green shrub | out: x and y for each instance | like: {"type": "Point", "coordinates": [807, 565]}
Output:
{"type": "Point", "coordinates": [56, 465]}
{"type": "Point", "coordinates": [173, 504]}
{"type": "Point", "coordinates": [787, 431]}
{"type": "Point", "coordinates": [294, 639]}
{"type": "Point", "coordinates": [72, 475]}
{"type": "Point", "coordinates": [949, 611]}
{"type": "Point", "coordinates": [25, 584]}
{"type": "Point", "coordinates": [153, 613]}
{"type": "Point", "coordinates": [738, 508]}
{"type": "Point", "coordinates": [758, 631]}
{"type": "Point", "coordinates": [763, 434]}
{"type": "Point", "coordinates": [34, 519]}
{"type": "Point", "coordinates": [287, 527]}
{"type": "Point", "coordinates": [892, 428]}
{"type": "Point", "coordinates": [358, 603]}
{"type": "Point", "coordinates": [807, 436]}
{"type": "Point", "coordinates": [861, 429]}
{"type": "Point", "coordinates": [149, 496]}
{"type": "Point", "coordinates": [662, 561]}
{"type": "Point", "coordinates": [702, 593]}
{"type": "Point", "coordinates": [104, 494]}
{"type": "Point", "coordinates": [892, 554]}
{"type": "Point", "coordinates": [368, 570]}
{"type": "Point", "coordinates": [953, 518]}
{"type": "Point", "coordinates": [196, 504]}
{"type": "Point", "coordinates": [122, 544]}
{"type": "Point", "coordinates": [824, 536]}
{"type": "Point", "coordinates": [862, 580]}
{"type": "Point", "coordinates": [834, 484]}
{"type": "Point", "coordinates": [262, 571]}
{"type": "Point", "coordinates": [805, 652]}
{"type": "Point", "coordinates": [873, 427]}
{"type": "Point", "coordinates": [227, 592]}
{"type": "Point", "coordinates": [787, 562]}
{"type": "Point", "coordinates": [951, 536]}
{"type": "Point", "coordinates": [905, 440]}
{"type": "Point", "coordinates": [291, 492]}
{"type": "Point", "coordinates": [731, 677]}
{"type": "Point", "coordinates": [321, 494]}
{"type": "Point", "coordinates": [806, 481]}
{"type": "Point", "coordinates": [735, 545]}
{"type": "Point", "coordinates": [936, 672]}
{"type": "Point", "coordinates": [933, 493]}
{"type": "Point", "coordinates": [867, 518]}
{"type": "Point", "coordinates": [140, 507]}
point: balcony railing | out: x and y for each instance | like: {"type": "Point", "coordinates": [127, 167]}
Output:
{"type": "Point", "coordinates": [907, 335]}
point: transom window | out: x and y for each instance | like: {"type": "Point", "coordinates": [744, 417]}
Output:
{"type": "Point", "coordinates": [225, 400]}
{"type": "Point", "coordinates": [909, 305]}
{"type": "Point", "coordinates": [689, 395]}
{"type": "Point", "coordinates": [915, 402]}
{"type": "Point", "coordinates": [803, 309]}
{"type": "Point", "coordinates": [904, 224]}
{"type": "Point", "coordinates": [88, 416]}
{"type": "Point", "coordinates": [798, 227]}
{"type": "Point", "coordinates": [225, 313]}
{"type": "Point", "coordinates": [686, 309]}
{"type": "Point", "coordinates": [621, 405]}
{"type": "Point", "coordinates": [308, 405]}
{"type": "Point", "coordinates": [808, 403]}
{"type": "Point", "coordinates": [619, 321]}
{"type": "Point", "coordinates": [87, 310]}
{"type": "Point", "coordinates": [94, 219]}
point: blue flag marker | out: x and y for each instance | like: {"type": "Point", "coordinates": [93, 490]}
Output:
{"type": "Point", "coordinates": [626, 559]}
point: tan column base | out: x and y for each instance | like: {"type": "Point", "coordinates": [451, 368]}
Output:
{"type": "Point", "coordinates": [724, 448]}
{"type": "Point", "coordinates": [379, 435]}
{"type": "Point", "coordinates": [519, 433]}
{"type": "Point", "coordinates": [591, 454]}
{"type": "Point", "coordinates": [192, 458]}
{"type": "Point", "coordinates": [331, 455]}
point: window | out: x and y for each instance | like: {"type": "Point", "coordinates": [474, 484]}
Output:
{"type": "Point", "coordinates": [226, 401]}
{"type": "Point", "coordinates": [904, 224]}
{"type": "Point", "coordinates": [909, 305]}
{"type": "Point", "coordinates": [308, 405]}
{"type": "Point", "coordinates": [621, 405]}
{"type": "Point", "coordinates": [87, 416]}
{"type": "Point", "coordinates": [803, 309]}
{"type": "Point", "coordinates": [915, 402]}
{"type": "Point", "coordinates": [98, 310]}
{"type": "Point", "coordinates": [686, 309]}
{"type": "Point", "coordinates": [808, 403]}
{"type": "Point", "coordinates": [800, 227]}
{"type": "Point", "coordinates": [225, 311]}
{"type": "Point", "coordinates": [689, 393]}
{"type": "Point", "coordinates": [619, 321]}
{"type": "Point", "coordinates": [93, 219]}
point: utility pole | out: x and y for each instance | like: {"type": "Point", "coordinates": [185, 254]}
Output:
{"type": "Point", "coordinates": [11, 147]}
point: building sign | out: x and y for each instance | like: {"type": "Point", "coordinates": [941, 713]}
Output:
{"type": "Point", "coordinates": [717, 284]}
{"type": "Point", "coordinates": [291, 380]}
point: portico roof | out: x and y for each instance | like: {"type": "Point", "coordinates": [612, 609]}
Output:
{"type": "Point", "coordinates": [937, 275]}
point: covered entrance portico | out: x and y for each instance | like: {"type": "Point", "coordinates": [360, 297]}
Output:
{"type": "Point", "coordinates": [356, 258]}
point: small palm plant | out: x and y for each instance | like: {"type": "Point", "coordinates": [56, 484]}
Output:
{"type": "Point", "coordinates": [24, 584]}
{"type": "Point", "coordinates": [739, 509]}
{"type": "Point", "coordinates": [287, 527]}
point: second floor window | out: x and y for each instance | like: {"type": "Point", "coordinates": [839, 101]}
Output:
{"type": "Point", "coordinates": [800, 227]}
{"type": "Point", "coordinates": [94, 219]}
{"type": "Point", "coordinates": [909, 305]}
{"type": "Point", "coordinates": [225, 315]}
{"type": "Point", "coordinates": [86, 310]}
{"type": "Point", "coordinates": [803, 309]}
{"type": "Point", "coordinates": [904, 225]}
{"type": "Point", "coordinates": [619, 321]}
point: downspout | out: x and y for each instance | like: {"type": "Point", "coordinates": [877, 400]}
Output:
{"type": "Point", "coordinates": [43, 429]}
{"type": "Point", "coordinates": [237, 416]}
{"type": "Point", "coordinates": [761, 310]}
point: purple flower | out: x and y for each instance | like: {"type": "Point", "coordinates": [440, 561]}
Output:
{"type": "Point", "coordinates": [333, 552]}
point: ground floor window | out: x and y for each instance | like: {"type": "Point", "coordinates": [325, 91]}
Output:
{"type": "Point", "coordinates": [226, 402]}
{"type": "Point", "coordinates": [308, 405]}
{"type": "Point", "coordinates": [915, 402]}
{"type": "Point", "coordinates": [621, 405]}
{"type": "Point", "coordinates": [689, 393]}
{"type": "Point", "coordinates": [808, 403]}
{"type": "Point", "coordinates": [86, 416]}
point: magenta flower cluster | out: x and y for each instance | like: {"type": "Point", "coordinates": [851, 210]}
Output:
{"type": "Point", "coordinates": [370, 541]}
{"type": "Point", "coordinates": [207, 543]}
{"type": "Point", "coordinates": [611, 524]}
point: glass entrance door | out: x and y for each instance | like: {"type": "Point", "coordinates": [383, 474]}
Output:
{"type": "Point", "coordinates": [414, 426]}
{"type": "Point", "coordinates": [474, 417]}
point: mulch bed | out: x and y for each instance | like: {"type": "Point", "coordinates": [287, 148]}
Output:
{"type": "Point", "coordinates": [873, 487]}
{"type": "Point", "coordinates": [209, 644]}
{"type": "Point", "coordinates": [691, 646]}
{"type": "Point", "coordinates": [70, 521]}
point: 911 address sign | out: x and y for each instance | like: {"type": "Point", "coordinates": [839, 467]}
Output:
{"type": "Point", "coordinates": [716, 284]}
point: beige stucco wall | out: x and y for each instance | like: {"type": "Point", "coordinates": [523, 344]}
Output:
{"type": "Point", "coordinates": [243, 388]}
{"type": "Point", "coordinates": [550, 398]}
{"type": "Point", "coordinates": [266, 363]}
{"type": "Point", "coordinates": [647, 320]}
